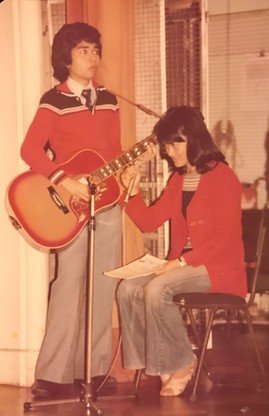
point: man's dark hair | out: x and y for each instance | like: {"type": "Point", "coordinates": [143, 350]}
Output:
{"type": "Point", "coordinates": [201, 150]}
{"type": "Point", "coordinates": [65, 40]}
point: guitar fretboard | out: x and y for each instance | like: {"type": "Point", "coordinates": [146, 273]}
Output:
{"type": "Point", "coordinates": [123, 160]}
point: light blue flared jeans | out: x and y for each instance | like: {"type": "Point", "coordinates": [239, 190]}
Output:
{"type": "Point", "coordinates": [154, 336]}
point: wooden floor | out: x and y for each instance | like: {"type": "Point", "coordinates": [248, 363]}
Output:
{"type": "Point", "coordinates": [231, 358]}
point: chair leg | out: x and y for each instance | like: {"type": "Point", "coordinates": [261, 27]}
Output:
{"type": "Point", "coordinates": [255, 344]}
{"type": "Point", "coordinates": [197, 339]}
{"type": "Point", "coordinates": [194, 327]}
{"type": "Point", "coordinates": [193, 396]}
{"type": "Point", "coordinates": [137, 378]}
{"type": "Point", "coordinates": [228, 317]}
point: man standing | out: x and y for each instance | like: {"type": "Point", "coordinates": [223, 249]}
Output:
{"type": "Point", "coordinates": [75, 115]}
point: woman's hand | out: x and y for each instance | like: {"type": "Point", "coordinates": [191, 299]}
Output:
{"type": "Point", "coordinates": [76, 188]}
{"type": "Point", "coordinates": [167, 267]}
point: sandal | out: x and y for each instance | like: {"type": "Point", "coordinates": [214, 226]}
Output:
{"type": "Point", "coordinates": [176, 385]}
{"type": "Point", "coordinates": [165, 378]}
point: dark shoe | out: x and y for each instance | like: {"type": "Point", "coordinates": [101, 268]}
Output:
{"type": "Point", "coordinates": [108, 388]}
{"type": "Point", "coordinates": [47, 389]}
{"type": "Point", "coordinates": [111, 382]}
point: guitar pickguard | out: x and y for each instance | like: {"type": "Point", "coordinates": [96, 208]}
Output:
{"type": "Point", "coordinates": [81, 207]}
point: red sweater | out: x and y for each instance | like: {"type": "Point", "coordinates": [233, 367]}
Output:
{"type": "Point", "coordinates": [67, 126]}
{"type": "Point", "coordinates": [213, 223]}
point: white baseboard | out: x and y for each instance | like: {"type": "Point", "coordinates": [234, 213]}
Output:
{"type": "Point", "coordinates": [17, 367]}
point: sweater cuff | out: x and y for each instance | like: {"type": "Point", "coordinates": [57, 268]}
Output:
{"type": "Point", "coordinates": [122, 201]}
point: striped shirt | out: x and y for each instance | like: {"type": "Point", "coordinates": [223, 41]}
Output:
{"type": "Point", "coordinates": [190, 184]}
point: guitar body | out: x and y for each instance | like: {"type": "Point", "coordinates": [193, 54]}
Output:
{"type": "Point", "coordinates": [47, 215]}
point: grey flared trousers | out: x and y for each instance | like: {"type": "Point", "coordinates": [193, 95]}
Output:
{"type": "Point", "coordinates": [61, 358]}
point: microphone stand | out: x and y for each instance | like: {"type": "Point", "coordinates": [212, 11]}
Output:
{"type": "Point", "coordinates": [139, 106]}
{"type": "Point", "coordinates": [87, 391]}
{"type": "Point", "coordinates": [87, 395]}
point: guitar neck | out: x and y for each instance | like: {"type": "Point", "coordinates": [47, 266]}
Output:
{"type": "Point", "coordinates": [125, 159]}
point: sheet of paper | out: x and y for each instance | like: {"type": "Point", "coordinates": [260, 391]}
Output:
{"type": "Point", "coordinates": [143, 266]}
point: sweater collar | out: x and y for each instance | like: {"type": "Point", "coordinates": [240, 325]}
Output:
{"type": "Point", "coordinates": [65, 88]}
{"type": "Point", "coordinates": [77, 88]}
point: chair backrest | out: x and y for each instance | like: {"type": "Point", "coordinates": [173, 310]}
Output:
{"type": "Point", "coordinates": [259, 254]}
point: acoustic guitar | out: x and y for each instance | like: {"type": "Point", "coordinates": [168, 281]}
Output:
{"type": "Point", "coordinates": [50, 217]}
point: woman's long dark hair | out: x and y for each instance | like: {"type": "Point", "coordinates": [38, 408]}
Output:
{"type": "Point", "coordinates": [201, 150]}
{"type": "Point", "coordinates": [65, 40]}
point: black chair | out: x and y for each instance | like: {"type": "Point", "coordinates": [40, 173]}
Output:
{"type": "Point", "coordinates": [210, 303]}
{"type": "Point", "coordinates": [214, 302]}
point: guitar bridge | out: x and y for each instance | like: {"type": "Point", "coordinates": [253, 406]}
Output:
{"type": "Point", "coordinates": [57, 200]}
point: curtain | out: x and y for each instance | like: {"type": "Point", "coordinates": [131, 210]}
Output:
{"type": "Point", "coordinates": [115, 20]}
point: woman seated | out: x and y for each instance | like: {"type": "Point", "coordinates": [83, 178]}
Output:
{"type": "Point", "coordinates": [202, 203]}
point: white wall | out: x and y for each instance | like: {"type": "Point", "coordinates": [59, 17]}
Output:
{"type": "Point", "coordinates": [23, 271]}
{"type": "Point", "coordinates": [234, 6]}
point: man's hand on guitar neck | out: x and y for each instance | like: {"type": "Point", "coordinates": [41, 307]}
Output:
{"type": "Point", "coordinates": [76, 188]}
